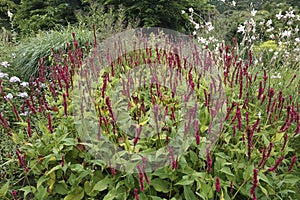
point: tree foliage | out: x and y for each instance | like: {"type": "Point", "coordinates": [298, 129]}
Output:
{"type": "Point", "coordinates": [34, 15]}
{"type": "Point", "coordinates": [160, 13]}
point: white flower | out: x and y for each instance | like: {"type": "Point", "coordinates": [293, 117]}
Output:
{"type": "Point", "coordinates": [191, 10]}
{"type": "Point", "coordinates": [272, 36]}
{"type": "Point", "coordinates": [194, 33]}
{"type": "Point", "coordinates": [24, 84]}
{"type": "Point", "coordinates": [223, 1]}
{"type": "Point", "coordinates": [286, 33]}
{"type": "Point", "coordinates": [3, 75]}
{"type": "Point", "coordinates": [23, 94]}
{"type": "Point", "coordinates": [270, 29]}
{"type": "Point", "coordinates": [269, 22]}
{"type": "Point", "coordinates": [209, 27]}
{"type": "Point", "coordinates": [276, 76]}
{"type": "Point", "coordinates": [9, 14]}
{"type": "Point", "coordinates": [259, 115]}
{"type": "Point", "coordinates": [253, 12]}
{"type": "Point", "coordinates": [297, 40]}
{"type": "Point", "coordinates": [233, 3]}
{"type": "Point", "coordinates": [182, 12]}
{"type": "Point", "coordinates": [14, 79]}
{"type": "Point", "coordinates": [279, 15]}
{"type": "Point", "coordinates": [5, 64]}
{"type": "Point", "coordinates": [24, 113]}
{"type": "Point", "coordinates": [241, 28]}
{"type": "Point", "coordinates": [9, 96]}
{"type": "Point", "coordinates": [202, 40]}
{"type": "Point", "coordinates": [197, 26]}
{"type": "Point", "coordinates": [290, 14]}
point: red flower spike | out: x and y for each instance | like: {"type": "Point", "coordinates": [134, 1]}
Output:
{"type": "Point", "coordinates": [29, 128]}
{"type": "Point", "coordinates": [218, 187]}
{"type": "Point", "coordinates": [278, 162]}
{"type": "Point", "coordinates": [254, 184]}
{"type": "Point", "coordinates": [294, 159]}
{"type": "Point", "coordinates": [136, 196]}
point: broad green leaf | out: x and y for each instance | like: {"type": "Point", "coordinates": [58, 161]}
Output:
{"type": "Point", "coordinates": [248, 172]}
{"type": "Point", "coordinates": [111, 195]}
{"type": "Point", "coordinates": [102, 185]}
{"type": "Point", "coordinates": [78, 194]}
{"type": "Point", "coordinates": [88, 188]}
{"type": "Point", "coordinates": [129, 181]}
{"type": "Point", "coordinates": [263, 177]}
{"type": "Point", "coordinates": [53, 169]}
{"type": "Point", "coordinates": [4, 189]}
{"type": "Point", "coordinates": [61, 188]}
{"type": "Point", "coordinates": [264, 190]}
{"type": "Point", "coordinates": [41, 180]}
{"type": "Point", "coordinates": [155, 198]}
{"type": "Point", "coordinates": [291, 179]}
{"type": "Point", "coordinates": [160, 185]}
{"type": "Point", "coordinates": [185, 182]}
{"type": "Point", "coordinates": [188, 193]}
{"type": "Point", "coordinates": [277, 137]}
{"type": "Point", "coordinates": [41, 193]}
{"type": "Point", "coordinates": [226, 170]}
{"type": "Point", "coordinates": [27, 190]}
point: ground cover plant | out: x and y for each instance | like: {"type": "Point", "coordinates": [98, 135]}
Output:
{"type": "Point", "coordinates": [46, 154]}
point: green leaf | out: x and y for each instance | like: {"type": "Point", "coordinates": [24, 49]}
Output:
{"type": "Point", "coordinates": [263, 177]}
{"type": "Point", "coordinates": [160, 185]}
{"type": "Point", "coordinates": [188, 193]}
{"type": "Point", "coordinates": [155, 198]}
{"type": "Point", "coordinates": [248, 172]}
{"type": "Point", "coordinates": [41, 180]}
{"type": "Point", "coordinates": [102, 185]}
{"type": "Point", "coordinates": [291, 179]}
{"type": "Point", "coordinates": [4, 189]}
{"type": "Point", "coordinates": [226, 170]}
{"type": "Point", "coordinates": [264, 190]}
{"type": "Point", "coordinates": [78, 194]}
{"type": "Point", "coordinates": [277, 137]}
{"type": "Point", "coordinates": [27, 190]}
{"type": "Point", "coordinates": [61, 188]}
{"type": "Point", "coordinates": [111, 195]}
{"type": "Point", "coordinates": [185, 182]}
{"type": "Point", "coordinates": [129, 181]}
{"type": "Point", "coordinates": [53, 169]}
{"type": "Point", "coordinates": [41, 193]}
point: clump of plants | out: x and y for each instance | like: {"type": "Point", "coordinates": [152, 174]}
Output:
{"type": "Point", "coordinates": [251, 156]}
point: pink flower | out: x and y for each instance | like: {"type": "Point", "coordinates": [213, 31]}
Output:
{"type": "Point", "coordinates": [136, 196]}
{"type": "Point", "coordinates": [29, 128]}
{"type": "Point", "coordinates": [63, 161]}
{"type": "Point", "coordinates": [294, 159]}
{"type": "Point", "coordinates": [254, 184]}
{"type": "Point", "coordinates": [208, 160]}
{"type": "Point", "coordinates": [141, 178]}
{"type": "Point", "coordinates": [218, 187]}
{"type": "Point", "coordinates": [278, 162]}
{"type": "Point", "coordinates": [138, 134]}
{"type": "Point", "coordinates": [14, 193]}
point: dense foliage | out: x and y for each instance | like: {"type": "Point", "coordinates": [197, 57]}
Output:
{"type": "Point", "coordinates": [56, 118]}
